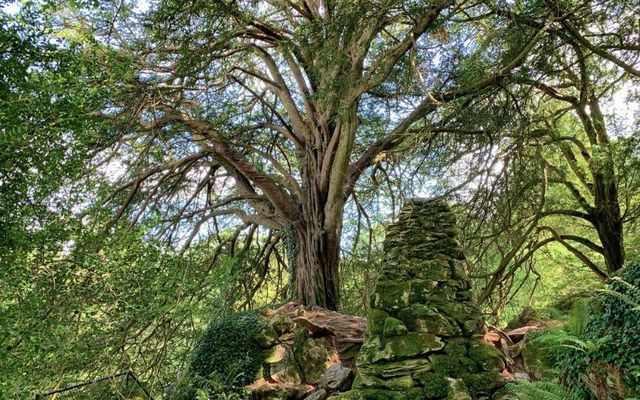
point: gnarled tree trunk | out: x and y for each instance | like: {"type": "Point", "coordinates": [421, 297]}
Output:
{"type": "Point", "coordinates": [607, 219]}
{"type": "Point", "coordinates": [316, 273]}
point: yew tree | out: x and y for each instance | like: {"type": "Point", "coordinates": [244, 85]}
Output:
{"type": "Point", "coordinates": [568, 175]}
{"type": "Point", "coordinates": [269, 112]}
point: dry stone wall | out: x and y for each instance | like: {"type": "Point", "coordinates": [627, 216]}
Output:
{"type": "Point", "coordinates": [424, 338]}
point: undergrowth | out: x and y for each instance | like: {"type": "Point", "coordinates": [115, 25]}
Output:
{"type": "Point", "coordinates": [597, 352]}
{"type": "Point", "coordinates": [226, 358]}
{"type": "Point", "coordinates": [542, 390]}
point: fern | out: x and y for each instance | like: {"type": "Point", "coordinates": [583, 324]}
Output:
{"type": "Point", "coordinates": [558, 338]}
{"type": "Point", "coordinates": [541, 390]}
{"type": "Point", "coordinates": [579, 316]}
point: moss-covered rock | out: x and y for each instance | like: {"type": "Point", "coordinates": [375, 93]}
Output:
{"type": "Point", "coordinates": [310, 356]}
{"type": "Point", "coordinates": [375, 319]}
{"type": "Point", "coordinates": [452, 365]}
{"type": "Point", "coordinates": [393, 327]}
{"type": "Point", "coordinates": [276, 354]}
{"type": "Point", "coordinates": [312, 360]}
{"type": "Point", "coordinates": [482, 382]}
{"type": "Point", "coordinates": [281, 392]}
{"type": "Point", "coordinates": [430, 270]}
{"type": "Point", "coordinates": [435, 386]}
{"type": "Point", "coordinates": [486, 356]}
{"type": "Point", "coordinates": [412, 344]}
{"type": "Point", "coordinates": [371, 351]}
{"type": "Point", "coordinates": [423, 319]}
{"type": "Point", "coordinates": [391, 295]}
{"type": "Point", "coordinates": [397, 368]}
{"type": "Point", "coordinates": [422, 289]}
{"type": "Point", "coordinates": [376, 394]}
{"type": "Point", "coordinates": [458, 390]}
{"type": "Point", "coordinates": [380, 394]}
{"type": "Point", "coordinates": [281, 324]}
{"type": "Point", "coordinates": [267, 335]}
{"type": "Point", "coordinates": [399, 347]}
{"type": "Point", "coordinates": [400, 382]}
{"type": "Point", "coordinates": [456, 347]}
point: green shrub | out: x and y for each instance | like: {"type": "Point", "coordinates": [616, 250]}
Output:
{"type": "Point", "coordinates": [227, 357]}
{"type": "Point", "coordinates": [193, 387]}
{"type": "Point", "coordinates": [616, 323]}
{"type": "Point", "coordinates": [600, 337]}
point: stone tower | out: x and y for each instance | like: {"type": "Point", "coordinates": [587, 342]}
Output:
{"type": "Point", "coordinates": [424, 338]}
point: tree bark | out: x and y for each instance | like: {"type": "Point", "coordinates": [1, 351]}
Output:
{"type": "Point", "coordinates": [316, 273]}
{"type": "Point", "coordinates": [608, 223]}
{"type": "Point", "coordinates": [608, 218]}
{"type": "Point", "coordinates": [315, 277]}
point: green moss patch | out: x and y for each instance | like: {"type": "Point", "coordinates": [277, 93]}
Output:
{"type": "Point", "coordinates": [435, 386]}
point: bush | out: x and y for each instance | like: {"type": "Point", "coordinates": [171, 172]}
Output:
{"type": "Point", "coordinates": [616, 324]}
{"type": "Point", "coordinates": [227, 357]}
{"type": "Point", "coordinates": [600, 340]}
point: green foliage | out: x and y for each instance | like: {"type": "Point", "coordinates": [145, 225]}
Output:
{"type": "Point", "coordinates": [50, 90]}
{"type": "Point", "coordinates": [617, 322]}
{"type": "Point", "coordinates": [106, 291]}
{"type": "Point", "coordinates": [82, 81]}
{"type": "Point", "coordinates": [579, 316]}
{"type": "Point", "coordinates": [193, 387]}
{"type": "Point", "coordinates": [600, 337]}
{"type": "Point", "coordinates": [541, 390]}
{"type": "Point", "coordinates": [105, 390]}
{"type": "Point", "coordinates": [226, 358]}
{"type": "Point", "coordinates": [52, 304]}
{"type": "Point", "coordinates": [631, 297]}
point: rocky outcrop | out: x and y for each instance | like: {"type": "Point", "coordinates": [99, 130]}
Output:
{"type": "Point", "coordinates": [310, 353]}
{"type": "Point", "coordinates": [424, 335]}
{"type": "Point", "coordinates": [424, 338]}
{"type": "Point", "coordinates": [521, 362]}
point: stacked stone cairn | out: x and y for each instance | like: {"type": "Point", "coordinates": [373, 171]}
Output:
{"type": "Point", "coordinates": [424, 338]}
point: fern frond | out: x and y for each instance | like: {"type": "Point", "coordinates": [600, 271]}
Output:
{"type": "Point", "coordinates": [542, 390]}
{"type": "Point", "coordinates": [560, 338]}
{"type": "Point", "coordinates": [579, 316]}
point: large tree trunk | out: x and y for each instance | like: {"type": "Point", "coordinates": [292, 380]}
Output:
{"type": "Point", "coordinates": [610, 232]}
{"type": "Point", "coordinates": [316, 273]}
{"type": "Point", "coordinates": [608, 218]}
{"type": "Point", "coordinates": [315, 277]}
{"type": "Point", "coordinates": [608, 222]}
